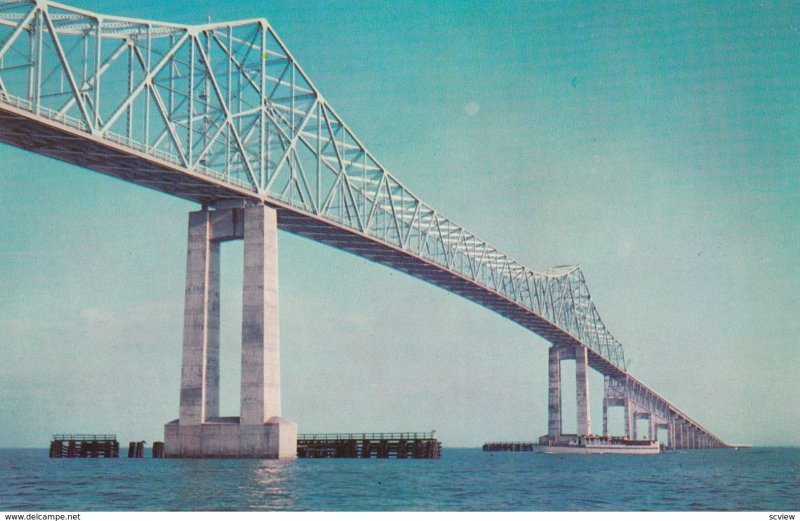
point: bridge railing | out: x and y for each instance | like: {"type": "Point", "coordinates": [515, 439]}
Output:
{"type": "Point", "coordinates": [230, 101]}
{"type": "Point", "coordinates": [84, 437]}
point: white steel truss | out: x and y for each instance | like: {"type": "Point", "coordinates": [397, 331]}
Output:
{"type": "Point", "coordinates": [229, 100]}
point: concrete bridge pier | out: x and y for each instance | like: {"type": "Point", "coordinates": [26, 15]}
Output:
{"type": "Point", "coordinates": [554, 423]}
{"type": "Point", "coordinates": [259, 431]}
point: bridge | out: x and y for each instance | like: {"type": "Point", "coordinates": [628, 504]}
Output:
{"type": "Point", "coordinates": [222, 114]}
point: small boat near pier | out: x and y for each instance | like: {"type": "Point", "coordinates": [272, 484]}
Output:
{"type": "Point", "coordinates": [593, 444]}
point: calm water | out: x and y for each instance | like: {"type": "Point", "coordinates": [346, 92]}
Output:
{"type": "Point", "coordinates": [464, 479]}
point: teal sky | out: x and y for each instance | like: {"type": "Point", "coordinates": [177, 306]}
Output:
{"type": "Point", "coordinates": [653, 143]}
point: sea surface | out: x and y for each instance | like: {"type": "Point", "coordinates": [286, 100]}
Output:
{"type": "Point", "coordinates": [758, 479]}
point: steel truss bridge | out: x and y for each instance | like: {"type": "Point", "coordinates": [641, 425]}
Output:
{"type": "Point", "coordinates": [222, 112]}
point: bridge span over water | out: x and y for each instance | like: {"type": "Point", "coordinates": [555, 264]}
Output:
{"type": "Point", "coordinates": [222, 114]}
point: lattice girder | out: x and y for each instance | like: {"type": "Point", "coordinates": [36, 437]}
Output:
{"type": "Point", "coordinates": [229, 100]}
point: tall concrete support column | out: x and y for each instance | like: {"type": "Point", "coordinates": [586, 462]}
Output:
{"type": "Point", "coordinates": [554, 393]}
{"type": "Point", "coordinates": [582, 390]}
{"type": "Point", "coordinates": [627, 410]}
{"type": "Point", "coordinates": [653, 427]}
{"type": "Point", "coordinates": [684, 435]}
{"type": "Point", "coordinates": [669, 441]}
{"type": "Point", "coordinates": [199, 398]}
{"type": "Point", "coordinates": [606, 386]}
{"type": "Point", "coordinates": [673, 442]}
{"type": "Point", "coordinates": [261, 377]}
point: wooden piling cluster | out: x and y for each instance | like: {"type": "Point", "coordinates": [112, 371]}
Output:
{"type": "Point", "coordinates": [158, 449]}
{"type": "Point", "coordinates": [508, 446]}
{"type": "Point", "coordinates": [136, 449]}
{"type": "Point", "coordinates": [404, 445]}
{"type": "Point", "coordinates": [84, 446]}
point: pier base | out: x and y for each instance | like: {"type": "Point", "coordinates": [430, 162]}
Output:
{"type": "Point", "coordinates": [227, 438]}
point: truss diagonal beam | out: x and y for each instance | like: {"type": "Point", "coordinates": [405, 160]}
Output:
{"type": "Point", "coordinates": [90, 123]}
{"type": "Point", "coordinates": [228, 117]}
{"type": "Point", "coordinates": [144, 83]}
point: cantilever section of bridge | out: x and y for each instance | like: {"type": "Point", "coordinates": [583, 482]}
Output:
{"type": "Point", "coordinates": [223, 115]}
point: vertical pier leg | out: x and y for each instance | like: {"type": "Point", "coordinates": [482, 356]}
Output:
{"type": "Point", "coordinates": [261, 364]}
{"type": "Point", "coordinates": [628, 410]}
{"type": "Point", "coordinates": [582, 390]}
{"type": "Point", "coordinates": [199, 398]}
{"type": "Point", "coordinates": [671, 434]}
{"type": "Point", "coordinates": [627, 414]}
{"type": "Point", "coordinates": [684, 435]}
{"type": "Point", "coordinates": [606, 380]}
{"type": "Point", "coordinates": [261, 377]}
{"type": "Point", "coordinates": [554, 393]}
